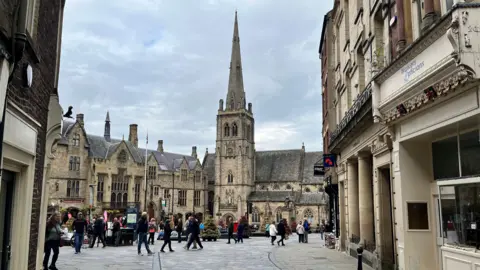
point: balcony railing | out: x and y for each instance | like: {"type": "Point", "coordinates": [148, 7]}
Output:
{"type": "Point", "coordinates": [119, 205]}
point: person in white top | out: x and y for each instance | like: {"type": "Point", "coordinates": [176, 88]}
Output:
{"type": "Point", "coordinates": [300, 232]}
{"type": "Point", "coordinates": [273, 232]}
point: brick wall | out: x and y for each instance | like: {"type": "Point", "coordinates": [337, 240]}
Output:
{"type": "Point", "coordinates": [34, 101]}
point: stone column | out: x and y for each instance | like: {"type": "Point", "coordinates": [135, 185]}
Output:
{"type": "Point", "coordinates": [341, 205]}
{"type": "Point", "coordinates": [107, 188]}
{"type": "Point", "coordinates": [365, 198]}
{"type": "Point", "coordinates": [353, 221]}
{"type": "Point", "coordinates": [429, 17]}
{"type": "Point", "coordinates": [131, 188]}
{"type": "Point", "coordinates": [401, 43]}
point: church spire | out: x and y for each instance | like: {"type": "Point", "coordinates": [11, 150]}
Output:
{"type": "Point", "coordinates": [106, 133]}
{"type": "Point", "coordinates": [236, 94]}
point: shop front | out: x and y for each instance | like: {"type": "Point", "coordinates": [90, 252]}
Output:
{"type": "Point", "coordinates": [429, 101]}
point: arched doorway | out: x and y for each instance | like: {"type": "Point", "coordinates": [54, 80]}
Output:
{"type": "Point", "coordinates": [228, 217]}
{"type": "Point", "coordinates": [151, 210]}
{"type": "Point", "coordinates": [211, 198]}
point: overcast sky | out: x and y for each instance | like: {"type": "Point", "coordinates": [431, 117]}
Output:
{"type": "Point", "coordinates": [163, 64]}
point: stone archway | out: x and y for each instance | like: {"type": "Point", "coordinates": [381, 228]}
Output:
{"type": "Point", "coordinates": [227, 217]}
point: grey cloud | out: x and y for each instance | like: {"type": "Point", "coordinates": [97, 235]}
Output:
{"type": "Point", "coordinates": [164, 65]}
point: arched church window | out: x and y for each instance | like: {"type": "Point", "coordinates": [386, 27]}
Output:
{"type": "Point", "coordinates": [230, 177]}
{"type": "Point", "coordinates": [308, 214]}
{"type": "Point", "coordinates": [234, 129]}
{"type": "Point", "coordinates": [255, 215]}
{"type": "Point", "coordinates": [226, 131]}
{"type": "Point", "coordinates": [276, 187]}
{"type": "Point", "coordinates": [76, 139]}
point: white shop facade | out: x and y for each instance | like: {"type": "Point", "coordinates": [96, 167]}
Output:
{"type": "Point", "coordinates": [429, 100]}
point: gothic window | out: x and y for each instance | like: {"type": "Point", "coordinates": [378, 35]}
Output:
{"type": "Point", "coordinates": [119, 197]}
{"type": "Point", "coordinates": [125, 197]}
{"type": "Point", "coordinates": [308, 214]}
{"type": "Point", "coordinates": [248, 132]}
{"type": "Point", "coordinates": [196, 197]}
{"type": "Point", "coordinates": [276, 187]}
{"type": "Point", "coordinates": [234, 129]}
{"type": "Point", "coordinates": [122, 156]}
{"type": "Point", "coordinates": [289, 187]}
{"type": "Point", "coordinates": [74, 163]}
{"type": "Point", "coordinates": [76, 139]}
{"type": "Point", "coordinates": [182, 197]}
{"type": "Point", "coordinates": [73, 189]}
{"type": "Point", "coordinates": [184, 175]}
{"type": "Point", "coordinates": [307, 189]}
{"type": "Point", "coordinates": [278, 216]}
{"type": "Point", "coordinates": [100, 186]}
{"type": "Point", "coordinates": [156, 190]}
{"type": "Point", "coordinates": [255, 215]}
{"type": "Point", "coordinates": [152, 172]}
{"type": "Point", "coordinates": [230, 177]}
{"type": "Point", "coordinates": [226, 130]}
{"type": "Point", "coordinates": [120, 186]}
{"type": "Point", "coordinates": [136, 190]}
{"type": "Point", "coordinates": [113, 197]}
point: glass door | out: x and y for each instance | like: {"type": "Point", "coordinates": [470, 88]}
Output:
{"type": "Point", "coordinates": [440, 230]}
{"type": "Point", "coordinates": [6, 207]}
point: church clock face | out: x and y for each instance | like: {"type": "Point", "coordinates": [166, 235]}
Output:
{"type": "Point", "coordinates": [230, 151]}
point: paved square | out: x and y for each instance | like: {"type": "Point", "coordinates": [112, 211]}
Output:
{"type": "Point", "coordinates": [255, 253]}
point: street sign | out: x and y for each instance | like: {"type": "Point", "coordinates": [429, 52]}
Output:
{"type": "Point", "coordinates": [318, 170]}
{"type": "Point", "coordinates": [164, 203]}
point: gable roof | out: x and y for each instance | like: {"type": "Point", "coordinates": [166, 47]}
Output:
{"type": "Point", "coordinates": [279, 165]}
{"type": "Point", "coordinates": [101, 148]}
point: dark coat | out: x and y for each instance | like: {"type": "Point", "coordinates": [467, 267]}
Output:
{"type": "Point", "coordinates": [167, 232]}
{"type": "Point", "coordinates": [99, 226]}
{"type": "Point", "coordinates": [142, 226]}
{"type": "Point", "coordinates": [195, 228]}
{"type": "Point", "coordinates": [281, 228]}
{"type": "Point", "coordinates": [240, 230]}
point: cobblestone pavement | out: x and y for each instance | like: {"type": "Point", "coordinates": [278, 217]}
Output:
{"type": "Point", "coordinates": [255, 253]}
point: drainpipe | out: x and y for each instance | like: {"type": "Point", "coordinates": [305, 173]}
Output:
{"type": "Point", "coordinates": [392, 194]}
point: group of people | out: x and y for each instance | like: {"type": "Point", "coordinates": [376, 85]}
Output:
{"type": "Point", "coordinates": [282, 229]}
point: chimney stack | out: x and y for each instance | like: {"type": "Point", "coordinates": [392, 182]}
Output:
{"type": "Point", "coordinates": [80, 118]}
{"type": "Point", "coordinates": [194, 151]}
{"type": "Point", "coordinates": [133, 134]}
{"type": "Point", "coordinates": [160, 146]}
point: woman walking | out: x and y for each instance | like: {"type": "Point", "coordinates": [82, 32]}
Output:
{"type": "Point", "coordinates": [52, 241]}
{"type": "Point", "coordinates": [300, 232]}
{"type": "Point", "coordinates": [166, 236]}
{"type": "Point", "coordinates": [273, 233]}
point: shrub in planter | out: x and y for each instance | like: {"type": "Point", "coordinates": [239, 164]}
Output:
{"type": "Point", "coordinates": [210, 231]}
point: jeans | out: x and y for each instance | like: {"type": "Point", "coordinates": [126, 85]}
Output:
{"type": "Point", "coordinates": [151, 238]}
{"type": "Point", "coordinates": [167, 241]}
{"type": "Point", "coordinates": [142, 238]}
{"type": "Point", "coordinates": [117, 237]}
{"type": "Point", "coordinates": [273, 238]}
{"type": "Point", "coordinates": [321, 235]}
{"type": "Point", "coordinates": [196, 238]}
{"type": "Point", "coordinates": [49, 245]}
{"type": "Point", "coordinates": [300, 237]}
{"type": "Point", "coordinates": [305, 237]}
{"type": "Point", "coordinates": [100, 237]}
{"type": "Point", "coordinates": [230, 236]}
{"type": "Point", "coordinates": [78, 241]}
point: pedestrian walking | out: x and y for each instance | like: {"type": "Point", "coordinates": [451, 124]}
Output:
{"type": "Point", "coordinates": [167, 231]}
{"type": "Point", "coordinates": [79, 226]}
{"type": "Point", "coordinates": [152, 228]}
{"type": "Point", "coordinates": [188, 229]}
{"type": "Point", "coordinates": [230, 231]}
{"type": "Point", "coordinates": [195, 234]}
{"type": "Point", "coordinates": [300, 232]}
{"type": "Point", "coordinates": [179, 229]}
{"type": "Point", "coordinates": [52, 241]}
{"type": "Point", "coordinates": [240, 229]}
{"type": "Point", "coordinates": [322, 230]}
{"type": "Point", "coordinates": [272, 231]}
{"type": "Point", "coordinates": [117, 234]}
{"type": "Point", "coordinates": [281, 231]}
{"type": "Point", "coordinates": [98, 231]}
{"type": "Point", "coordinates": [142, 230]}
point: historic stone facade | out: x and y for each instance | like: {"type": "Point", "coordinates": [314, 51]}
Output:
{"type": "Point", "coordinates": [265, 185]}
{"type": "Point", "coordinates": [113, 171]}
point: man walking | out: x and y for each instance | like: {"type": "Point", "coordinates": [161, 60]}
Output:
{"type": "Point", "coordinates": [79, 225]}
{"type": "Point", "coordinates": [195, 232]}
{"type": "Point", "coordinates": [99, 231]}
{"type": "Point", "coordinates": [166, 236]}
{"type": "Point", "coordinates": [188, 229]}
{"type": "Point", "coordinates": [307, 228]}
{"type": "Point", "coordinates": [142, 231]}
{"type": "Point", "coordinates": [230, 231]}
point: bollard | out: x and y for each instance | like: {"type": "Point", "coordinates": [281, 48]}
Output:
{"type": "Point", "coordinates": [359, 256]}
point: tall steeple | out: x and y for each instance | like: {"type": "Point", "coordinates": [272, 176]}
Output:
{"type": "Point", "coordinates": [106, 133]}
{"type": "Point", "coordinates": [236, 94]}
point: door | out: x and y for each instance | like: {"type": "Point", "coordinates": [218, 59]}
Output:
{"type": "Point", "coordinates": [6, 207]}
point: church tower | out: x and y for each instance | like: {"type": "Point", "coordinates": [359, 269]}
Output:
{"type": "Point", "coordinates": [235, 153]}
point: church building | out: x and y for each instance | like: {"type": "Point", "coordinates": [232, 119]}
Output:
{"type": "Point", "coordinates": [263, 185]}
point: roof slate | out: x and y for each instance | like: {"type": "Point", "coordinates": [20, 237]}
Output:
{"type": "Point", "coordinates": [279, 166]}
{"type": "Point", "coordinates": [311, 158]}
{"type": "Point", "coordinates": [100, 148]}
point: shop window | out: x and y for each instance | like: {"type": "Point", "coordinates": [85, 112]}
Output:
{"type": "Point", "coordinates": [417, 215]}
{"type": "Point", "coordinates": [470, 153]}
{"type": "Point", "coordinates": [445, 158]}
{"type": "Point", "coordinates": [460, 213]}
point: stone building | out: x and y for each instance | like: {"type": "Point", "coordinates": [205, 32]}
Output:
{"type": "Point", "coordinates": [394, 144]}
{"type": "Point", "coordinates": [109, 174]}
{"type": "Point", "coordinates": [265, 185]}
{"type": "Point", "coordinates": [30, 44]}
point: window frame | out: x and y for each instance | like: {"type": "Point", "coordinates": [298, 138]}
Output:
{"type": "Point", "coordinates": [182, 197]}
{"type": "Point", "coordinates": [429, 225]}
{"type": "Point", "coordinates": [196, 198]}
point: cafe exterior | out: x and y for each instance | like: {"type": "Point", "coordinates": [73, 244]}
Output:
{"type": "Point", "coordinates": [428, 99]}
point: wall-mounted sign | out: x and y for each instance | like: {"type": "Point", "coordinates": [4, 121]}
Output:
{"type": "Point", "coordinates": [318, 170]}
{"type": "Point", "coordinates": [329, 160]}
